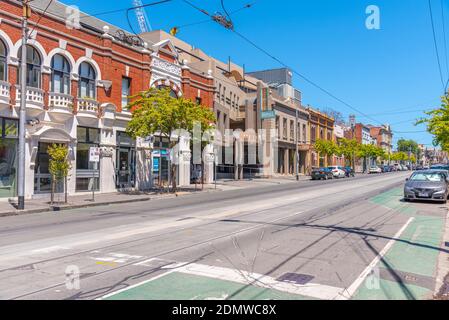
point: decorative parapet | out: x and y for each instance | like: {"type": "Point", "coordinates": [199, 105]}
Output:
{"type": "Point", "coordinates": [166, 66]}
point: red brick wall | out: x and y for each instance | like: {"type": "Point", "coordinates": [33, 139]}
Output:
{"type": "Point", "coordinates": [111, 57]}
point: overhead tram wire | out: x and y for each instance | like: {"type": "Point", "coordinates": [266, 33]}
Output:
{"type": "Point", "coordinates": [436, 45]}
{"type": "Point", "coordinates": [445, 42]}
{"type": "Point", "coordinates": [299, 74]}
{"type": "Point", "coordinates": [97, 14]}
{"type": "Point", "coordinates": [247, 6]}
{"type": "Point", "coordinates": [41, 15]}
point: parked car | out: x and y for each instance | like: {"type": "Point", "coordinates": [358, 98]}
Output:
{"type": "Point", "coordinates": [375, 169]}
{"type": "Point", "coordinates": [322, 174]}
{"type": "Point", "coordinates": [428, 185]}
{"type": "Point", "coordinates": [439, 167]}
{"type": "Point", "coordinates": [338, 171]}
{"type": "Point", "coordinates": [419, 168]}
{"type": "Point", "coordinates": [349, 172]}
{"type": "Point", "coordinates": [386, 168]}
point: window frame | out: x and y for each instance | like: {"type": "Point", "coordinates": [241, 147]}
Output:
{"type": "Point", "coordinates": [90, 82]}
{"type": "Point", "coordinates": [64, 75]}
{"type": "Point", "coordinates": [32, 67]}
{"type": "Point", "coordinates": [4, 61]}
{"type": "Point", "coordinates": [123, 97]}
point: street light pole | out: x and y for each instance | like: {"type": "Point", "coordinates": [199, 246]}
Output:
{"type": "Point", "coordinates": [22, 111]}
{"type": "Point", "coordinates": [297, 149]}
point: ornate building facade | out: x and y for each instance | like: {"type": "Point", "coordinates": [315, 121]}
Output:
{"type": "Point", "coordinates": [79, 81]}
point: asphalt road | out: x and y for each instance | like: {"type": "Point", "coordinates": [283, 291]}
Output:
{"type": "Point", "coordinates": [340, 239]}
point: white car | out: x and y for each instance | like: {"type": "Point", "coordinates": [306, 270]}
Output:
{"type": "Point", "coordinates": [338, 171]}
{"type": "Point", "coordinates": [375, 170]}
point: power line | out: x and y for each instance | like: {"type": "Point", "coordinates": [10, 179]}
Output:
{"type": "Point", "coordinates": [41, 15]}
{"type": "Point", "coordinates": [246, 6]}
{"type": "Point", "coordinates": [436, 45]}
{"type": "Point", "coordinates": [444, 40]}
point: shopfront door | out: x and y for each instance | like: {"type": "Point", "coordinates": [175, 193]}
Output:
{"type": "Point", "coordinates": [126, 164]}
{"type": "Point", "coordinates": [42, 177]}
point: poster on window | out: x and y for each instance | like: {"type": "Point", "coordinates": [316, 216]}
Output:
{"type": "Point", "coordinates": [94, 154]}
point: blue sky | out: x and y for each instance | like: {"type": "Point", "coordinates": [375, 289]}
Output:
{"type": "Point", "coordinates": [390, 74]}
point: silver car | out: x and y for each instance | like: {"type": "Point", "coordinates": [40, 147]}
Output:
{"type": "Point", "coordinates": [429, 185]}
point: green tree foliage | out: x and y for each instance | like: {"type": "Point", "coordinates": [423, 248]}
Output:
{"type": "Point", "coordinates": [348, 148]}
{"type": "Point", "coordinates": [408, 146]}
{"type": "Point", "coordinates": [399, 156]}
{"type": "Point", "coordinates": [59, 166]}
{"type": "Point", "coordinates": [155, 111]}
{"type": "Point", "coordinates": [326, 147]}
{"type": "Point", "coordinates": [438, 123]}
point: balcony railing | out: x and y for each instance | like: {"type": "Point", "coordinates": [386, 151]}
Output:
{"type": "Point", "coordinates": [33, 96]}
{"type": "Point", "coordinates": [88, 106]}
{"type": "Point", "coordinates": [60, 101]}
{"type": "Point", "coordinates": [4, 91]}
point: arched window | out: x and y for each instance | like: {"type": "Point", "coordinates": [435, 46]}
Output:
{"type": "Point", "coordinates": [3, 65]}
{"type": "Point", "coordinates": [33, 61]}
{"type": "Point", "coordinates": [173, 94]}
{"type": "Point", "coordinates": [60, 76]}
{"type": "Point", "coordinates": [87, 78]}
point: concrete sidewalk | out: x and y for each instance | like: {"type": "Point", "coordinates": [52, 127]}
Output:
{"type": "Point", "coordinates": [85, 200]}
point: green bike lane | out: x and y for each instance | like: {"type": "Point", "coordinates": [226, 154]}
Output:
{"type": "Point", "coordinates": [406, 271]}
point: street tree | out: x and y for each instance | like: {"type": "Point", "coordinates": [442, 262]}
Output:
{"type": "Point", "coordinates": [438, 123]}
{"type": "Point", "coordinates": [408, 146]}
{"type": "Point", "coordinates": [326, 148]}
{"type": "Point", "coordinates": [59, 167]}
{"type": "Point", "coordinates": [155, 111]}
{"type": "Point", "coordinates": [348, 148]}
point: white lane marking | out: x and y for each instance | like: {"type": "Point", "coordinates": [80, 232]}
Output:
{"type": "Point", "coordinates": [135, 285]}
{"type": "Point", "coordinates": [50, 249]}
{"type": "Point", "coordinates": [351, 290]}
{"type": "Point", "coordinates": [312, 290]}
{"type": "Point", "coordinates": [117, 257]}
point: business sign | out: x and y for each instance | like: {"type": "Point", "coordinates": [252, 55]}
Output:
{"type": "Point", "coordinates": [94, 154]}
{"type": "Point", "coordinates": [156, 164]}
{"type": "Point", "coordinates": [268, 114]}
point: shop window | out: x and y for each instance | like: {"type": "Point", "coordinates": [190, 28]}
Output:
{"type": "Point", "coordinates": [60, 76]}
{"type": "Point", "coordinates": [8, 156]}
{"type": "Point", "coordinates": [284, 129]}
{"type": "Point", "coordinates": [87, 77]}
{"type": "Point", "coordinates": [292, 129]}
{"type": "Point", "coordinates": [87, 173]}
{"type": "Point", "coordinates": [3, 65]}
{"type": "Point", "coordinates": [33, 65]}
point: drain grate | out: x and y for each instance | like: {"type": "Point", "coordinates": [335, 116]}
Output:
{"type": "Point", "coordinates": [296, 278]}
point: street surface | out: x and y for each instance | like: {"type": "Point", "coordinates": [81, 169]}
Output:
{"type": "Point", "coordinates": [340, 239]}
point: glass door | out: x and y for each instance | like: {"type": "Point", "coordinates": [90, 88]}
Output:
{"type": "Point", "coordinates": [42, 176]}
{"type": "Point", "coordinates": [125, 168]}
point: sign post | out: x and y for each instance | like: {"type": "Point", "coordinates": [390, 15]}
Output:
{"type": "Point", "coordinates": [94, 156]}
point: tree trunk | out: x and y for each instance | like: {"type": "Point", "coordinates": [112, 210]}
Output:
{"type": "Point", "coordinates": [65, 189]}
{"type": "Point", "coordinates": [173, 177]}
{"type": "Point", "coordinates": [52, 196]}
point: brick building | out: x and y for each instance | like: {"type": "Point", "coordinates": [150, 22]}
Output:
{"type": "Point", "coordinates": [321, 128]}
{"type": "Point", "coordinates": [78, 81]}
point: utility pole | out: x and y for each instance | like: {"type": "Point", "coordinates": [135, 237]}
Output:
{"type": "Point", "coordinates": [22, 110]}
{"type": "Point", "coordinates": [297, 149]}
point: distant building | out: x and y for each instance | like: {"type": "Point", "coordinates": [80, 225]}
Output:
{"type": "Point", "coordinates": [279, 80]}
